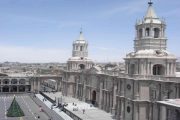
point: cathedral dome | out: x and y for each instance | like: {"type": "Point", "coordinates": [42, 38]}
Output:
{"type": "Point", "coordinates": [150, 16]}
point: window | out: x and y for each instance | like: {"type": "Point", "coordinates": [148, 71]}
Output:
{"type": "Point", "coordinates": [140, 33]}
{"type": "Point", "coordinates": [14, 81]}
{"type": "Point", "coordinates": [82, 66]}
{"type": "Point", "coordinates": [156, 32]}
{"type": "Point", "coordinates": [22, 81]}
{"type": "Point", "coordinates": [128, 109]}
{"type": "Point", "coordinates": [76, 47]}
{"type": "Point", "coordinates": [147, 32]}
{"type": "Point", "coordinates": [158, 69]}
{"type": "Point", "coordinates": [81, 48]}
{"type": "Point", "coordinates": [132, 69]}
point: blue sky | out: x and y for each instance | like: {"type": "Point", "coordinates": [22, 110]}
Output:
{"type": "Point", "coordinates": [43, 30]}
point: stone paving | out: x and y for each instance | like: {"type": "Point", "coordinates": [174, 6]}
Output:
{"type": "Point", "coordinates": [30, 109]}
{"type": "Point", "coordinates": [91, 113]}
{"type": "Point", "coordinates": [60, 115]}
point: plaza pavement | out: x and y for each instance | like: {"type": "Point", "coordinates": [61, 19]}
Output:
{"type": "Point", "coordinates": [29, 107]}
{"type": "Point", "coordinates": [61, 114]}
{"type": "Point", "coordinates": [91, 113]}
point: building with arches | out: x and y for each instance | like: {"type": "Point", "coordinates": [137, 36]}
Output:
{"type": "Point", "coordinates": [14, 84]}
{"type": "Point", "coordinates": [149, 76]}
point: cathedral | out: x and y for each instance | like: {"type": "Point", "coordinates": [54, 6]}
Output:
{"type": "Point", "coordinates": [137, 92]}
{"type": "Point", "coordinates": [148, 88]}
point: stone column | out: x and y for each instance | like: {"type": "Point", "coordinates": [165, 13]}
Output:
{"type": "Point", "coordinates": [38, 80]}
{"type": "Point", "coordinates": [114, 99]}
{"type": "Point", "coordinates": [105, 101]}
{"type": "Point", "coordinates": [143, 32]}
{"type": "Point", "coordinates": [84, 91]}
{"type": "Point", "coordinates": [135, 113]}
{"type": "Point", "coordinates": [174, 67]}
{"type": "Point", "coordinates": [142, 66]}
{"type": "Point", "coordinates": [9, 88]}
{"type": "Point", "coordinates": [167, 68]}
{"type": "Point", "coordinates": [162, 113]}
{"type": "Point", "coordinates": [150, 111]}
{"type": "Point", "coordinates": [122, 110]}
{"type": "Point", "coordinates": [150, 68]}
{"type": "Point", "coordinates": [76, 89]}
{"type": "Point", "coordinates": [136, 90]}
{"type": "Point", "coordinates": [100, 95]}
{"type": "Point", "coordinates": [108, 101]}
{"type": "Point", "coordinates": [32, 85]}
{"type": "Point", "coordinates": [170, 68]}
{"type": "Point", "coordinates": [122, 88]}
{"type": "Point", "coordinates": [126, 67]}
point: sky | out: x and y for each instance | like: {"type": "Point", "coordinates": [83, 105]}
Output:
{"type": "Point", "coordinates": [44, 30]}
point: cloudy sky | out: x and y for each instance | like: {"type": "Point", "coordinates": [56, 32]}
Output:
{"type": "Point", "coordinates": [43, 30]}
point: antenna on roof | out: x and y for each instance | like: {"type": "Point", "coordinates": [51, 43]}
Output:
{"type": "Point", "coordinates": [150, 2]}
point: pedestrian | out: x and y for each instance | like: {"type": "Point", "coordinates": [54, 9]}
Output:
{"type": "Point", "coordinates": [83, 111]}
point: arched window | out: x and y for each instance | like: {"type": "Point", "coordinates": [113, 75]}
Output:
{"type": "Point", "coordinates": [81, 48]}
{"type": "Point", "coordinates": [13, 89]}
{"type": "Point", "coordinates": [22, 81]}
{"type": "Point", "coordinates": [5, 89]}
{"type": "Point", "coordinates": [158, 69]}
{"type": "Point", "coordinates": [128, 109]}
{"type": "Point", "coordinates": [156, 32]}
{"type": "Point", "coordinates": [14, 81]}
{"type": "Point", "coordinates": [82, 66]}
{"type": "Point", "coordinates": [21, 88]}
{"type": "Point", "coordinates": [132, 69]}
{"type": "Point", "coordinates": [93, 97]}
{"type": "Point", "coordinates": [147, 32]}
{"type": "Point", "coordinates": [140, 33]}
{"type": "Point", "coordinates": [6, 81]}
{"type": "Point", "coordinates": [76, 47]}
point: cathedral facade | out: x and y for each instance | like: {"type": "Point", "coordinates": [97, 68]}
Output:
{"type": "Point", "coordinates": [149, 76]}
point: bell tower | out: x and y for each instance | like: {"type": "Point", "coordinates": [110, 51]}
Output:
{"type": "Point", "coordinates": [150, 56]}
{"type": "Point", "coordinates": [150, 32]}
{"type": "Point", "coordinates": [79, 59]}
{"type": "Point", "coordinates": [80, 47]}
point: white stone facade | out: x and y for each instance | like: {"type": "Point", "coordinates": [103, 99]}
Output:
{"type": "Point", "coordinates": [149, 76]}
{"type": "Point", "coordinates": [79, 59]}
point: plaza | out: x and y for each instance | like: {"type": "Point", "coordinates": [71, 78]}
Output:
{"type": "Point", "coordinates": [30, 107]}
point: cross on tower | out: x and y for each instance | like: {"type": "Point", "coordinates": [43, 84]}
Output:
{"type": "Point", "coordinates": [81, 29]}
{"type": "Point", "coordinates": [150, 2]}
